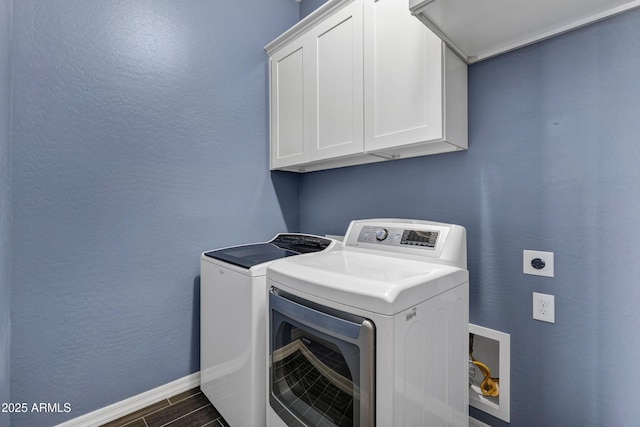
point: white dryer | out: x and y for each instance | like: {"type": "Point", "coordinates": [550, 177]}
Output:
{"type": "Point", "coordinates": [233, 307]}
{"type": "Point", "coordinates": [374, 334]}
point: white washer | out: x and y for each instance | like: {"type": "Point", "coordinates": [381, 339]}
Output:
{"type": "Point", "coordinates": [403, 281]}
{"type": "Point", "coordinates": [232, 317]}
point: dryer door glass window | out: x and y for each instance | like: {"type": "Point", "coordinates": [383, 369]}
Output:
{"type": "Point", "coordinates": [320, 375]}
{"type": "Point", "coordinates": [312, 377]}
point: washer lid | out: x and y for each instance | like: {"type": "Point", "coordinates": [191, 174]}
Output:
{"type": "Point", "coordinates": [380, 284]}
{"type": "Point", "coordinates": [282, 246]}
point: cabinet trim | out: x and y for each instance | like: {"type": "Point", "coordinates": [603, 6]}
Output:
{"type": "Point", "coordinates": [305, 25]}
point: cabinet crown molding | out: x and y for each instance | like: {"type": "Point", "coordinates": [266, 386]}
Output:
{"type": "Point", "coordinates": [321, 13]}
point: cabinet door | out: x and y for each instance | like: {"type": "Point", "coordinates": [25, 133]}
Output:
{"type": "Point", "coordinates": [289, 74]}
{"type": "Point", "coordinates": [336, 98]}
{"type": "Point", "coordinates": [403, 78]}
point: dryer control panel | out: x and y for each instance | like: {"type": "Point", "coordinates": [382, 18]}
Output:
{"type": "Point", "coordinates": [426, 240]}
{"type": "Point", "coordinates": [397, 236]}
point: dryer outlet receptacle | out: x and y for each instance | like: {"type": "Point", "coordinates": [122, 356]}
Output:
{"type": "Point", "coordinates": [538, 263]}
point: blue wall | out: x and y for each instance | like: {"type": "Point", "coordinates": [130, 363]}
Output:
{"type": "Point", "coordinates": [308, 6]}
{"type": "Point", "coordinates": [140, 137]}
{"type": "Point", "coordinates": [552, 165]}
{"type": "Point", "coordinates": [5, 205]}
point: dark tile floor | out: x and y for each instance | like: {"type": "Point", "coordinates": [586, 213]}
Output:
{"type": "Point", "coordinates": [188, 409]}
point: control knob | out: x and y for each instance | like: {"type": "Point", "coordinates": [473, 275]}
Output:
{"type": "Point", "coordinates": [381, 234]}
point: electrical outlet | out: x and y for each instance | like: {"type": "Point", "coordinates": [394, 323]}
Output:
{"type": "Point", "coordinates": [544, 307]}
{"type": "Point", "coordinates": [537, 263]}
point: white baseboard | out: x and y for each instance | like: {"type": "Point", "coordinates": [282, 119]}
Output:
{"type": "Point", "coordinates": [135, 403]}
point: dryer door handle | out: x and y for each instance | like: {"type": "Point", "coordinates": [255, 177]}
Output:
{"type": "Point", "coordinates": [326, 323]}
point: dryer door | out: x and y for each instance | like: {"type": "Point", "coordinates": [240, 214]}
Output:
{"type": "Point", "coordinates": [321, 364]}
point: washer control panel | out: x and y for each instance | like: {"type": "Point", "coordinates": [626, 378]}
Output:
{"type": "Point", "coordinates": [426, 239]}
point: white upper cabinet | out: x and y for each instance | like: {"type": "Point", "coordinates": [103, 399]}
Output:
{"type": "Point", "coordinates": [478, 30]}
{"type": "Point", "coordinates": [361, 81]}
{"type": "Point", "coordinates": [406, 96]}
{"type": "Point", "coordinates": [336, 97]}
{"type": "Point", "coordinates": [316, 109]}
{"type": "Point", "coordinates": [289, 104]}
